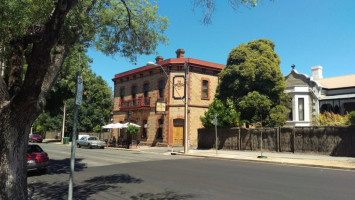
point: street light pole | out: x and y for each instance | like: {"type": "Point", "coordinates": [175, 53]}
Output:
{"type": "Point", "coordinates": [186, 143]}
{"type": "Point", "coordinates": [185, 100]}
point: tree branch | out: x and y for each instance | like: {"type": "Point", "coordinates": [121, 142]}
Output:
{"type": "Point", "coordinates": [39, 59]}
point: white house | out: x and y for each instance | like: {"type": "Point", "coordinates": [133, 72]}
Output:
{"type": "Point", "coordinates": [314, 95]}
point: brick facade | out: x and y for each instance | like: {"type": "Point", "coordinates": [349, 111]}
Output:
{"type": "Point", "coordinates": [174, 114]}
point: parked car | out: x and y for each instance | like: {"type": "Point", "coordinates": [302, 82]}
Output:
{"type": "Point", "coordinates": [90, 142]}
{"type": "Point", "coordinates": [35, 138]}
{"type": "Point", "coordinates": [37, 159]}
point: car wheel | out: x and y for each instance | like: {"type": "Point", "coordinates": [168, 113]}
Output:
{"type": "Point", "coordinates": [42, 170]}
{"type": "Point", "coordinates": [90, 146]}
{"type": "Point", "coordinates": [102, 147]}
{"type": "Point", "coordinates": [78, 145]}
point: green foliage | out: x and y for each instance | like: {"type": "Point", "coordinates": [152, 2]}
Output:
{"type": "Point", "coordinates": [254, 107]}
{"type": "Point", "coordinates": [96, 102]}
{"type": "Point", "coordinates": [97, 128]}
{"type": "Point", "coordinates": [352, 117]}
{"type": "Point", "coordinates": [114, 28]}
{"type": "Point", "coordinates": [253, 80]}
{"type": "Point", "coordinates": [227, 115]}
{"type": "Point", "coordinates": [331, 119]}
{"type": "Point", "coordinates": [132, 130]}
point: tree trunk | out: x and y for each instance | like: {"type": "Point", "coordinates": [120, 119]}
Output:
{"type": "Point", "coordinates": [15, 126]}
{"type": "Point", "coordinates": [23, 99]}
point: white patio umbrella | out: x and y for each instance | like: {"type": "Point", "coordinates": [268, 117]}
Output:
{"type": "Point", "coordinates": [116, 125]}
{"type": "Point", "coordinates": [125, 125]}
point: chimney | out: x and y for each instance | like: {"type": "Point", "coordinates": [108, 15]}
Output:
{"type": "Point", "coordinates": [158, 59]}
{"type": "Point", "coordinates": [180, 53]}
{"type": "Point", "coordinates": [317, 72]}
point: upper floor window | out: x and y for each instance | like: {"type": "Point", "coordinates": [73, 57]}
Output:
{"type": "Point", "coordinates": [146, 89]}
{"type": "Point", "coordinates": [301, 109]}
{"type": "Point", "coordinates": [204, 89]}
{"type": "Point", "coordinates": [161, 89]}
{"type": "Point", "coordinates": [122, 93]}
{"type": "Point", "coordinates": [134, 92]}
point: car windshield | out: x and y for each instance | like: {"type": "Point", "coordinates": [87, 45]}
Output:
{"type": "Point", "coordinates": [33, 148]}
{"type": "Point", "coordinates": [36, 136]}
{"type": "Point", "coordinates": [92, 138]}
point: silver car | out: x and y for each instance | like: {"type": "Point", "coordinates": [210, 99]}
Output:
{"type": "Point", "coordinates": [90, 142]}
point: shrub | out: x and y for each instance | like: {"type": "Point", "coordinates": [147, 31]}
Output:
{"type": "Point", "coordinates": [331, 119]}
{"type": "Point", "coordinates": [132, 129]}
{"type": "Point", "coordinates": [352, 117]}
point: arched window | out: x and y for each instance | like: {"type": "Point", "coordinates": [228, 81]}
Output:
{"type": "Point", "coordinates": [134, 92]}
{"type": "Point", "coordinates": [145, 89]}
{"type": "Point", "coordinates": [160, 129]}
{"type": "Point", "coordinates": [205, 89]}
{"type": "Point", "coordinates": [122, 93]}
{"type": "Point", "coordinates": [161, 88]}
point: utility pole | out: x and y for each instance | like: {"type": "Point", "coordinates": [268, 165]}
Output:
{"type": "Point", "coordinates": [63, 124]}
{"type": "Point", "coordinates": [186, 143]}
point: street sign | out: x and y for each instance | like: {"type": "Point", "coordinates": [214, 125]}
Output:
{"type": "Point", "coordinates": [79, 91]}
{"type": "Point", "coordinates": [215, 121]}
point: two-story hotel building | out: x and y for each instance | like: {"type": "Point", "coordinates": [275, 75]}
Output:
{"type": "Point", "coordinates": [153, 97]}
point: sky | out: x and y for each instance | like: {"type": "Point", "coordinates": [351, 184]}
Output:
{"type": "Point", "coordinates": [306, 33]}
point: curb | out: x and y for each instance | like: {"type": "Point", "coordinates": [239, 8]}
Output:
{"type": "Point", "coordinates": [272, 162]}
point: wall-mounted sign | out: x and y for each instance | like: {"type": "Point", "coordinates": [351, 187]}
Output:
{"type": "Point", "coordinates": [179, 87]}
{"type": "Point", "coordinates": [160, 107]}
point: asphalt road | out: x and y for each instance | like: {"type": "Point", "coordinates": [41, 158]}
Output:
{"type": "Point", "coordinates": [118, 174]}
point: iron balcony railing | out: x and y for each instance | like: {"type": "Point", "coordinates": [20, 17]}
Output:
{"type": "Point", "coordinates": [135, 104]}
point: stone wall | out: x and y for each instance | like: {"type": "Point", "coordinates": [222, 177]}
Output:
{"type": "Point", "coordinates": [336, 141]}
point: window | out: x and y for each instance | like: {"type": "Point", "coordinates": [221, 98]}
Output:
{"type": "Point", "coordinates": [122, 93]}
{"type": "Point", "coordinates": [160, 129]}
{"type": "Point", "coordinates": [134, 92]}
{"type": "Point", "coordinates": [161, 89]}
{"type": "Point", "coordinates": [144, 133]}
{"type": "Point", "coordinates": [146, 89]}
{"type": "Point", "coordinates": [290, 114]}
{"type": "Point", "coordinates": [301, 109]}
{"type": "Point", "coordinates": [205, 89]}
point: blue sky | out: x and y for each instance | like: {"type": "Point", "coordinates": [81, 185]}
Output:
{"type": "Point", "coordinates": [306, 33]}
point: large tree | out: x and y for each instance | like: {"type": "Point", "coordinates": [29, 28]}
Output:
{"type": "Point", "coordinates": [36, 37]}
{"type": "Point", "coordinates": [96, 102]}
{"type": "Point", "coordinates": [253, 80]}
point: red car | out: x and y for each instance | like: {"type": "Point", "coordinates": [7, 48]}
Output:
{"type": "Point", "coordinates": [37, 159]}
{"type": "Point", "coordinates": [35, 138]}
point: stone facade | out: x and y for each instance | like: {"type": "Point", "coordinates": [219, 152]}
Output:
{"type": "Point", "coordinates": [165, 78]}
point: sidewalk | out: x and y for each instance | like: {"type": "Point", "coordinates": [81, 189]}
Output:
{"type": "Point", "coordinates": [286, 158]}
{"type": "Point", "coordinates": [312, 160]}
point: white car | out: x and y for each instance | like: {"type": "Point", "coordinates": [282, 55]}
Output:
{"type": "Point", "coordinates": [90, 142]}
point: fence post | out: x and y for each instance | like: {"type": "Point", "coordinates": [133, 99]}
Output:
{"type": "Point", "coordinates": [277, 141]}
{"type": "Point", "coordinates": [279, 138]}
{"type": "Point", "coordinates": [251, 139]}
{"type": "Point", "coordinates": [293, 139]}
{"type": "Point", "coordinates": [239, 140]}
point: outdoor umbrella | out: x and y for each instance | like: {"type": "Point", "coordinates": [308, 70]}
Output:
{"type": "Point", "coordinates": [117, 125]}
{"type": "Point", "coordinates": [130, 123]}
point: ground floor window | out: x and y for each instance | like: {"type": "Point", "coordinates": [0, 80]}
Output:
{"type": "Point", "coordinates": [160, 129]}
{"type": "Point", "coordinates": [144, 133]}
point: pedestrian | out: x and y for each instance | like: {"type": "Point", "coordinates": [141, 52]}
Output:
{"type": "Point", "coordinates": [114, 141]}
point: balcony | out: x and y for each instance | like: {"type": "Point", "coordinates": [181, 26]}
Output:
{"type": "Point", "coordinates": [135, 104]}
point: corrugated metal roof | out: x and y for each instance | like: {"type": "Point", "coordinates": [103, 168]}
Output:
{"type": "Point", "coordinates": [338, 82]}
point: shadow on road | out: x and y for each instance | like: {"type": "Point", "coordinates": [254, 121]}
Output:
{"type": "Point", "coordinates": [83, 190]}
{"type": "Point", "coordinates": [165, 195]}
{"type": "Point", "coordinates": [59, 167]}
